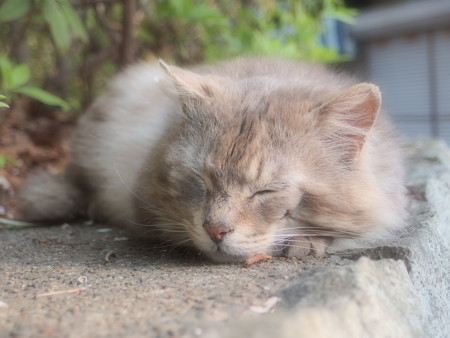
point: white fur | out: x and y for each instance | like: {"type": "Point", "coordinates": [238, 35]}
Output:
{"type": "Point", "coordinates": [138, 114]}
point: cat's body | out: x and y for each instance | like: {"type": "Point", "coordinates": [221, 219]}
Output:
{"type": "Point", "coordinates": [249, 156]}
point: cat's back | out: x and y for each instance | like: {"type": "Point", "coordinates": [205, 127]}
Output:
{"type": "Point", "coordinates": [310, 80]}
{"type": "Point", "coordinates": [118, 132]}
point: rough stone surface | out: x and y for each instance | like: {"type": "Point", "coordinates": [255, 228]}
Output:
{"type": "Point", "coordinates": [429, 239]}
{"type": "Point", "coordinates": [365, 298]}
{"type": "Point", "coordinates": [87, 281]}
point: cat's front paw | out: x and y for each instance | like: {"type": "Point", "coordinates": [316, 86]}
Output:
{"type": "Point", "coordinates": [301, 246]}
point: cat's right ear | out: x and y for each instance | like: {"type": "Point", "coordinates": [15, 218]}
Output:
{"type": "Point", "coordinates": [188, 84]}
{"type": "Point", "coordinates": [348, 118]}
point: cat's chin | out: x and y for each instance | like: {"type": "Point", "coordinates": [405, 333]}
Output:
{"type": "Point", "coordinates": [227, 251]}
{"type": "Point", "coordinates": [222, 255]}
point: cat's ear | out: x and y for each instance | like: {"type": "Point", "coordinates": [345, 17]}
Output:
{"type": "Point", "coordinates": [349, 117]}
{"type": "Point", "coordinates": [187, 83]}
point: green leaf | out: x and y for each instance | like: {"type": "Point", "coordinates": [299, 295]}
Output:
{"type": "Point", "coordinates": [14, 9]}
{"type": "Point", "coordinates": [204, 14]}
{"type": "Point", "coordinates": [181, 7]}
{"type": "Point", "coordinates": [6, 159]}
{"type": "Point", "coordinates": [2, 97]}
{"type": "Point", "coordinates": [3, 105]}
{"type": "Point", "coordinates": [6, 223]}
{"type": "Point", "coordinates": [43, 96]}
{"type": "Point", "coordinates": [19, 76]}
{"type": "Point", "coordinates": [5, 72]}
{"type": "Point", "coordinates": [56, 20]}
{"type": "Point", "coordinates": [73, 20]}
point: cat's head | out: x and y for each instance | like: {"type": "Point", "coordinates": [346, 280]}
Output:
{"type": "Point", "coordinates": [253, 165]}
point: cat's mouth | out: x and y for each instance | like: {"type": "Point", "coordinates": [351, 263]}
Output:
{"type": "Point", "coordinates": [232, 249]}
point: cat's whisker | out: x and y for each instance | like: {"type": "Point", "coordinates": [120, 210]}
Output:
{"type": "Point", "coordinates": [310, 248]}
{"type": "Point", "coordinates": [293, 242]}
{"type": "Point", "coordinates": [282, 248]}
{"type": "Point", "coordinates": [146, 232]}
{"type": "Point", "coordinates": [331, 235]}
{"type": "Point", "coordinates": [314, 234]}
{"type": "Point", "coordinates": [155, 209]}
{"type": "Point", "coordinates": [287, 242]}
{"type": "Point", "coordinates": [170, 220]}
{"type": "Point", "coordinates": [152, 207]}
{"type": "Point", "coordinates": [173, 231]}
{"type": "Point", "coordinates": [128, 187]}
{"type": "Point", "coordinates": [172, 239]}
{"type": "Point", "coordinates": [311, 231]}
{"type": "Point", "coordinates": [167, 226]}
{"type": "Point", "coordinates": [140, 224]}
{"type": "Point", "coordinates": [172, 243]}
{"type": "Point", "coordinates": [315, 228]}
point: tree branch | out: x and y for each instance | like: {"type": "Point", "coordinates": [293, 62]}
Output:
{"type": "Point", "coordinates": [127, 46]}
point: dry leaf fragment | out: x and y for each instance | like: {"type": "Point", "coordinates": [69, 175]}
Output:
{"type": "Point", "coordinates": [257, 258]}
{"type": "Point", "coordinates": [268, 305]}
{"type": "Point", "coordinates": [62, 292]}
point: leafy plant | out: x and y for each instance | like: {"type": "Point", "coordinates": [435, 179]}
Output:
{"type": "Point", "coordinates": [60, 16]}
{"type": "Point", "coordinates": [72, 46]}
{"type": "Point", "coordinates": [14, 79]}
{"type": "Point", "coordinates": [217, 29]}
{"type": "Point", "coordinates": [3, 104]}
{"type": "Point", "coordinates": [28, 23]}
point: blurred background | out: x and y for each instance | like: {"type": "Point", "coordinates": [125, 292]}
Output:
{"type": "Point", "coordinates": [56, 56]}
{"type": "Point", "coordinates": [404, 47]}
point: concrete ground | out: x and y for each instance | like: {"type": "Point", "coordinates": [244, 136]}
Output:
{"type": "Point", "coordinates": [88, 280]}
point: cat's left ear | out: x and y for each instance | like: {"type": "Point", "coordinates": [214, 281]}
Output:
{"type": "Point", "coordinates": [350, 116]}
{"type": "Point", "coordinates": [187, 83]}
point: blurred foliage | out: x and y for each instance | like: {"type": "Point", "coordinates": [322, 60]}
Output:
{"type": "Point", "coordinates": [3, 104]}
{"type": "Point", "coordinates": [71, 46]}
{"type": "Point", "coordinates": [14, 79]}
{"type": "Point", "coordinates": [5, 160]}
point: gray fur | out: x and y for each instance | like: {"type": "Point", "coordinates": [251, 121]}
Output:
{"type": "Point", "coordinates": [290, 158]}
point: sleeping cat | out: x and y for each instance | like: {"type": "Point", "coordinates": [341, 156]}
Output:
{"type": "Point", "coordinates": [248, 156]}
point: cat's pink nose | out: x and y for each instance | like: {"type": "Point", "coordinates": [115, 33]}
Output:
{"type": "Point", "coordinates": [217, 231]}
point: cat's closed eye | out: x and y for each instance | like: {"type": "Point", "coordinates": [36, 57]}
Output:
{"type": "Point", "coordinates": [263, 192]}
{"type": "Point", "coordinates": [268, 190]}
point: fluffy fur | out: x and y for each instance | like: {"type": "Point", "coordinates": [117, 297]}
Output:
{"type": "Point", "coordinates": [243, 157]}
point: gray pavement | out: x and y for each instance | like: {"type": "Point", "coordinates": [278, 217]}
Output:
{"type": "Point", "coordinates": [83, 280]}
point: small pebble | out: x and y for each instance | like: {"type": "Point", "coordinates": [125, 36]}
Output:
{"type": "Point", "coordinates": [4, 183]}
{"type": "Point", "coordinates": [110, 254]}
{"type": "Point", "coordinates": [104, 230]}
{"type": "Point", "coordinates": [82, 279]}
{"type": "Point", "coordinates": [3, 305]}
